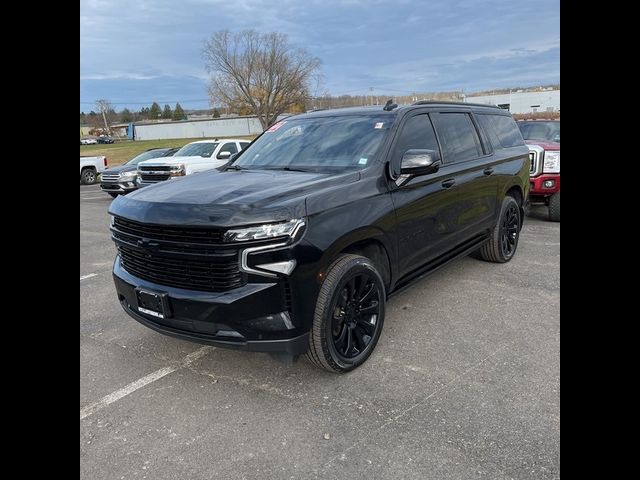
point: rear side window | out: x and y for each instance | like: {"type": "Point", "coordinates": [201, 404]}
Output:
{"type": "Point", "coordinates": [458, 137]}
{"type": "Point", "coordinates": [243, 145]}
{"type": "Point", "coordinates": [417, 132]}
{"type": "Point", "coordinates": [502, 131]}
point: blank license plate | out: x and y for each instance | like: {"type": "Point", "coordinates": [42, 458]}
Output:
{"type": "Point", "coordinates": [151, 303]}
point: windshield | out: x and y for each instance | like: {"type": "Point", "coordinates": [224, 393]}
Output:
{"type": "Point", "coordinates": [549, 131]}
{"type": "Point", "coordinates": [197, 150]}
{"type": "Point", "coordinates": [318, 144]}
{"type": "Point", "coordinates": [146, 156]}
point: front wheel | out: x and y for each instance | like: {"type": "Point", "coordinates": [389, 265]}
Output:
{"type": "Point", "coordinates": [554, 207]}
{"type": "Point", "coordinates": [503, 242]}
{"type": "Point", "coordinates": [114, 195]}
{"type": "Point", "coordinates": [349, 315]}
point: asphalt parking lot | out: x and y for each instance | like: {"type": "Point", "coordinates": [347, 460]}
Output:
{"type": "Point", "coordinates": [463, 384]}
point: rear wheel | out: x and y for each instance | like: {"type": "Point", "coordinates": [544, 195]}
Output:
{"type": "Point", "coordinates": [554, 207]}
{"type": "Point", "coordinates": [349, 315]}
{"type": "Point", "coordinates": [504, 238]}
{"type": "Point", "coordinates": [88, 176]}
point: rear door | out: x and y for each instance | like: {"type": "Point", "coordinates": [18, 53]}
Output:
{"type": "Point", "coordinates": [467, 157]}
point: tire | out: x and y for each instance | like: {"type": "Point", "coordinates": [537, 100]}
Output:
{"type": "Point", "coordinates": [502, 245]}
{"type": "Point", "coordinates": [554, 207]}
{"type": "Point", "coordinates": [88, 176]}
{"type": "Point", "coordinates": [342, 337]}
{"type": "Point", "coordinates": [114, 195]}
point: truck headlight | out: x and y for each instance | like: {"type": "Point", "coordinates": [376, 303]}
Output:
{"type": "Point", "coordinates": [261, 232]}
{"type": "Point", "coordinates": [177, 171]}
{"type": "Point", "coordinates": [551, 162]}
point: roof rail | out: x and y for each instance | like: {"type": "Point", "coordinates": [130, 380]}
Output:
{"type": "Point", "coordinates": [436, 102]}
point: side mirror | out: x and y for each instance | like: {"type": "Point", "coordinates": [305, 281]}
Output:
{"type": "Point", "coordinates": [223, 155]}
{"type": "Point", "coordinates": [233, 157]}
{"type": "Point", "coordinates": [419, 162]}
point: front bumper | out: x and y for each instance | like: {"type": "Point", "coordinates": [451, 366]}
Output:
{"type": "Point", "coordinates": [538, 188]}
{"type": "Point", "coordinates": [118, 187]}
{"type": "Point", "coordinates": [254, 317]}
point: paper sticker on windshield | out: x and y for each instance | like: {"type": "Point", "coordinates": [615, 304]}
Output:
{"type": "Point", "coordinates": [276, 126]}
{"type": "Point", "coordinates": [363, 161]}
{"type": "Point", "coordinates": [379, 125]}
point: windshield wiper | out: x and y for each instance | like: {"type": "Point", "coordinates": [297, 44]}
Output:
{"type": "Point", "coordinates": [235, 167]}
{"type": "Point", "coordinates": [289, 169]}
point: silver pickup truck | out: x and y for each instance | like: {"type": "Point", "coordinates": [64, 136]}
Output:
{"type": "Point", "coordinates": [90, 167]}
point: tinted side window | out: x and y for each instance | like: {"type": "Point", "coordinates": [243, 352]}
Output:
{"type": "Point", "coordinates": [503, 128]}
{"type": "Point", "coordinates": [243, 145]}
{"type": "Point", "coordinates": [458, 137]}
{"type": "Point", "coordinates": [417, 132]}
{"type": "Point", "coordinates": [487, 126]}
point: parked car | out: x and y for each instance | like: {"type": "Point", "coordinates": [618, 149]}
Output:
{"type": "Point", "coordinates": [123, 179]}
{"type": "Point", "coordinates": [90, 167]}
{"type": "Point", "coordinates": [104, 140]}
{"type": "Point", "coordinates": [295, 245]}
{"type": "Point", "coordinates": [543, 139]}
{"type": "Point", "coordinates": [88, 141]}
{"type": "Point", "coordinates": [545, 176]}
{"type": "Point", "coordinates": [192, 158]}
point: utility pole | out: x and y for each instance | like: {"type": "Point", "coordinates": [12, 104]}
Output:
{"type": "Point", "coordinates": [103, 106]}
{"type": "Point", "coordinates": [371, 94]}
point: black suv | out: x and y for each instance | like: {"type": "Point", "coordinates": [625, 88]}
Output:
{"type": "Point", "coordinates": [295, 245]}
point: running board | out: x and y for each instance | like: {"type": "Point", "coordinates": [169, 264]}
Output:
{"type": "Point", "coordinates": [434, 265]}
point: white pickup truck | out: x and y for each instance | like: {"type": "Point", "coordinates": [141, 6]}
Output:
{"type": "Point", "coordinates": [90, 167]}
{"type": "Point", "coordinates": [192, 158]}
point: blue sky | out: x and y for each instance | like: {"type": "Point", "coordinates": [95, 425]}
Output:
{"type": "Point", "coordinates": [138, 51]}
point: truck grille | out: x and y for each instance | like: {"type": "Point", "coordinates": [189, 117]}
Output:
{"type": "Point", "coordinates": [152, 178]}
{"type": "Point", "coordinates": [184, 257]}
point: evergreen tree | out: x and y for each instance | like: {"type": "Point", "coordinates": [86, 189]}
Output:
{"type": "Point", "coordinates": [178, 113]}
{"type": "Point", "coordinates": [155, 112]}
{"type": "Point", "coordinates": [126, 115]}
{"type": "Point", "coordinates": [167, 113]}
{"type": "Point", "coordinates": [216, 113]}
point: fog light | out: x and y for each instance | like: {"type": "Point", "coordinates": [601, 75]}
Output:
{"type": "Point", "coordinates": [549, 183]}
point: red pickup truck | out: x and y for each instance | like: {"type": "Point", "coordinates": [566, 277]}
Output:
{"type": "Point", "coordinates": [543, 139]}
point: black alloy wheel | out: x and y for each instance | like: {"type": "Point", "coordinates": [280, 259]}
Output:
{"type": "Point", "coordinates": [355, 315]}
{"type": "Point", "coordinates": [510, 230]}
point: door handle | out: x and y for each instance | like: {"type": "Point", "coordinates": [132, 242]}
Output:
{"type": "Point", "coordinates": [488, 171]}
{"type": "Point", "coordinates": [449, 182]}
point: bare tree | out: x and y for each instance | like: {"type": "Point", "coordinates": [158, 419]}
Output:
{"type": "Point", "coordinates": [262, 72]}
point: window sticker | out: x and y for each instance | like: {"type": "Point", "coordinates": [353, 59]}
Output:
{"type": "Point", "coordinates": [363, 161]}
{"type": "Point", "coordinates": [378, 125]}
{"type": "Point", "coordinates": [276, 126]}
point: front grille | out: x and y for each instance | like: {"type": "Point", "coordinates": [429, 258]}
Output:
{"type": "Point", "coordinates": [183, 257]}
{"type": "Point", "coordinates": [154, 178]}
{"type": "Point", "coordinates": [155, 168]}
{"type": "Point", "coordinates": [110, 177]}
{"type": "Point", "coordinates": [532, 166]}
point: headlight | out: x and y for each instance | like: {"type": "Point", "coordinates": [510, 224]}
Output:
{"type": "Point", "coordinates": [551, 162]}
{"type": "Point", "coordinates": [261, 232]}
{"type": "Point", "coordinates": [128, 176]}
{"type": "Point", "coordinates": [177, 170]}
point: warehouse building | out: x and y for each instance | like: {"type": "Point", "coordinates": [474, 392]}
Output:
{"type": "Point", "coordinates": [519, 101]}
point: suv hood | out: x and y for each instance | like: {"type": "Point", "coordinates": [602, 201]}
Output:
{"type": "Point", "coordinates": [172, 160]}
{"type": "Point", "coordinates": [227, 199]}
{"type": "Point", "coordinates": [123, 169]}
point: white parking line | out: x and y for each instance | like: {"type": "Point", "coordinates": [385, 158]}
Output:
{"type": "Point", "coordinates": [88, 276]}
{"type": "Point", "coordinates": [132, 387]}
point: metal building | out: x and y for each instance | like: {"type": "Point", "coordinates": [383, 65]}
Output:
{"type": "Point", "coordinates": [522, 102]}
{"type": "Point", "coordinates": [219, 127]}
